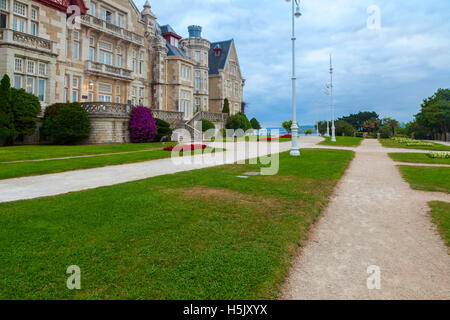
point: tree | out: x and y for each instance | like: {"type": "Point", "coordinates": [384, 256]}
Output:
{"type": "Point", "coordinates": [163, 130]}
{"type": "Point", "coordinates": [26, 107]}
{"type": "Point", "coordinates": [238, 121]}
{"type": "Point", "coordinates": [435, 114]}
{"type": "Point", "coordinates": [322, 127]}
{"type": "Point", "coordinates": [344, 128]}
{"type": "Point", "coordinates": [385, 132]}
{"type": "Point", "coordinates": [142, 125]}
{"type": "Point", "coordinates": [255, 124]}
{"type": "Point", "coordinates": [6, 114]}
{"type": "Point", "coordinates": [226, 106]}
{"type": "Point", "coordinates": [357, 120]}
{"type": "Point", "coordinates": [244, 106]}
{"type": "Point", "coordinates": [371, 125]}
{"type": "Point", "coordinates": [207, 125]}
{"type": "Point", "coordinates": [391, 123]}
{"type": "Point", "coordinates": [308, 132]}
{"type": "Point", "coordinates": [66, 123]}
{"type": "Point", "coordinates": [287, 125]}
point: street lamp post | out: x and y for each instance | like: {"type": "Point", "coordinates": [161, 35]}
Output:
{"type": "Point", "coordinates": [295, 150]}
{"type": "Point", "coordinates": [333, 128]}
{"type": "Point", "coordinates": [327, 93]}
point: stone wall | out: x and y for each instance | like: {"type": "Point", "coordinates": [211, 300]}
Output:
{"type": "Point", "coordinates": [108, 131]}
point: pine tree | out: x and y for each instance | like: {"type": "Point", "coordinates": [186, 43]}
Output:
{"type": "Point", "coordinates": [6, 113]}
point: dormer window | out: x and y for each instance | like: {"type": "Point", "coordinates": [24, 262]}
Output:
{"type": "Point", "coordinates": [217, 50]}
{"type": "Point", "coordinates": [174, 42]}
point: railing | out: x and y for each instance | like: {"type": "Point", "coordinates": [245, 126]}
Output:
{"type": "Point", "coordinates": [27, 40]}
{"type": "Point", "coordinates": [210, 116]}
{"type": "Point", "coordinates": [168, 115]}
{"type": "Point", "coordinates": [112, 29]}
{"type": "Point", "coordinates": [107, 109]}
{"type": "Point", "coordinates": [109, 70]}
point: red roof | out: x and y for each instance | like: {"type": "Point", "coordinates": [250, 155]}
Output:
{"type": "Point", "coordinates": [62, 5]}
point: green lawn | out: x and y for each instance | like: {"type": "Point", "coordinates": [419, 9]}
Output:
{"type": "Point", "coordinates": [427, 178]}
{"type": "Point", "coordinates": [417, 158]}
{"type": "Point", "coordinates": [440, 212]}
{"type": "Point", "coordinates": [31, 168]}
{"type": "Point", "coordinates": [389, 143]}
{"type": "Point", "coordinates": [342, 141]}
{"type": "Point", "coordinates": [204, 234]}
{"type": "Point", "coordinates": [18, 153]}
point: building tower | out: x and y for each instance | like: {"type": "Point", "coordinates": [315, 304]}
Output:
{"type": "Point", "coordinates": [197, 49]}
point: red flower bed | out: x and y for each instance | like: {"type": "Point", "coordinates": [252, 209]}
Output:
{"type": "Point", "coordinates": [286, 136]}
{"type": "Point", "coordinates": [269, 139]}
{"type": "Point", "coordinates": [189, 147]}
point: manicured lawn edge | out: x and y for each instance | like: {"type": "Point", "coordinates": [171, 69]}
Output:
{"type": "Point", "coordinates": [389, 143]}
{"type": "Point", "coordinates": [417, 158]}
{"type": "Point", "coordinates": [342, 142]}
{"type": "Point", "coordinates": [440, 211]}
{"type": "Point", "coordinates": [427, 178]}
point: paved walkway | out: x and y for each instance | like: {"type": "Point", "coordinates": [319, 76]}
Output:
{"type": "Point", "coordinates": [373, 219]}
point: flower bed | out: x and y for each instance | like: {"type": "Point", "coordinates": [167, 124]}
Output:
{"type": "Point", "coordinates": [439, 155]}
{"type": "Point", "coordinates": [286, 136]}
{"type": "Point", "coordinates": [412, 142]}
{"type": "Point", "coordinates": [189, 147]}
{"type": "Point", "coordinates": [269, 139]}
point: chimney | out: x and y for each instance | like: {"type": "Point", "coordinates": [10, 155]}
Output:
{"type": "Point", "coordinates": [195, 31]}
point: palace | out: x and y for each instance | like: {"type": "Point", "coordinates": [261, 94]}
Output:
{"type": "Point", "coordinates": [109, 56]}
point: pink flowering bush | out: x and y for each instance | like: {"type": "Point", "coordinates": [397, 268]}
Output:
{"type": "Point", "coordinates": [142, 125]}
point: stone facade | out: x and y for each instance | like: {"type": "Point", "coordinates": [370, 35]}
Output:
{"type": "Point", "coordinates": [109, 52]}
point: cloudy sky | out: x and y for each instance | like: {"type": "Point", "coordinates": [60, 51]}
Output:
{"type": "Point", "coordinates": [390, 69]}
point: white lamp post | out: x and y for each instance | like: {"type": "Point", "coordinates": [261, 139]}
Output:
{"type": "Point", "coordinates": [295, 150]}
{"type": "Point", "coordinates": [327, 93]}
{"type": "Point", "coordinates": [333, 128]}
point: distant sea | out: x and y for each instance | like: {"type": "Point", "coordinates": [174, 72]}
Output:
{"type": "Point", "coordinates": [282, 131]}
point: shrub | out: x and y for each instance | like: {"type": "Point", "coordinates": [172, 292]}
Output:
{"type": "Point", "coordinates": [238, 121]}
{"type": "Point", "coordinates": [163, 130]}
{"type": "Point", "coordinates": [66, 123]}
{"type": "Point", "coordinates": [142, 125]}
{"type": "Point", "coordinates": [6, 114]}
{"type": "Point", "coordinates": [207, 125]}
{"type": "Point", "coordinates": [344, 128]}
{"type": "Point", "coordinates": [359, 134]}
{"type": "Point", "coordinates": [308, 132]}
{"type": "Point", "coordinates": [439, 155]}
{"type": "Point", "coordinates": [385, 132]}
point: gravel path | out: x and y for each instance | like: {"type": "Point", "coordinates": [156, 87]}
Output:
{"type": "Point", "coordinates": [374, 219]}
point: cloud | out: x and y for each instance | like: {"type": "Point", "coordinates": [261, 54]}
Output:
{"type": "Point", "coordinates": [390, 70]}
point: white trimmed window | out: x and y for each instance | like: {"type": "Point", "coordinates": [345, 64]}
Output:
{"type": "Point", "coordinates": [42, 69]}
{"type": "Point", "coordinates": [104, 87]}
{"type": "Point", "coordinates": [34, 13]}
{"type": "Point", "coordinates": [42, 87]}
{"type": "Point", "coordinates": [18, 65]}
{"type": "Point", "coordinates": [19, 24]}
{"type": "Point", "coordinates": [31, 67]}
{"type": "Point", "coordinates": [18, 81]}
{"type": "Point", "coordinates": [4, 5]}
{"type": "Point", "coordinates": [117, 89]}
{"type": "Point", "coordinates": [20, 9]}
{"type": "Point", "coordinates": [30, 85]}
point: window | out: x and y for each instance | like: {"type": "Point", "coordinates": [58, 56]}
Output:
{"type": "Point", "coordinates": [141, 92]}
{"type": "Point", "coordinates": [92, 54]}
{"type": "Point", "coordinates": [74, 95]}
{"type": "Point", "coordinates": [197, 56]}
{"type": "Point", "coordinates": [197, 104]}
{"type": "Point", "coordinates": [228, 88]}
{"type": "Point", "coordinates": [18, 81]}
{"type": "Point", "coordinates": [236, 90]}
{"type": "Point", "coordinates": [92, 41]}
{"type": "Point", "coordinates": [117, 99]}
{"type": "Point", "coordinates": [4, 4]}
{"type": "Point", "coordinates": [34, 13]}
{"type": "Point", "coordinates": [197, 80]}
{"type": "Point", "coordinates": [34, 29]}
{"type": "Point", "coordinates": [90, 97]}
{"type": "Point", "coordinates": [42, 69]}
{"type": "Point", "coordinates": [108, 46]}
{"type": "Point", "coordinates": [119, 61]}
{"type": "Point", "coordinates": [76, 45]}
{"type": "Point", "coordinates": [120, 20]}
{"type": "Point", "coordinates": [134, 65]}
{"type": "Point", "coordinates": [104, 98]}
{"type": "Point", "coordinates": [30, 85]}
{"type": "Point", "coordinates": [92, 9]}
{"type": "Point", "coordinates": [75, 82]}
{"type": "Point", "coordinates": [41, 89]}
{"type": "Point", "coordinates": [185, 103]}
{"type": "Point", "coordinates": [20, 9]}
{"type": "Point", "coordinates": [106, 15]}
{"type": "Point", "coordinates": [105, 57]}
{"type": "Point", "coordinates": [18, 65]}
{"type": "Point", "coordinates": [3, 20]}
{"type": "Point", "coordinates": [30, 67]}
{"type": "Point", "coordinates": [141, 67]}
{"type": "Point", "coordinates": [117, 89]}
{"type": "Point", "coordinates": [105, 87]}
{"type": "Point", "coordinates": [19, 24]}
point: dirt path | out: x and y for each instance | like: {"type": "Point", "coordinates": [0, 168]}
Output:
{"type": "Point", "coordinates": [373, 219]}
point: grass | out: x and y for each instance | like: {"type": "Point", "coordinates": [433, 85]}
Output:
{"type": "Point", "coordinates": [440, 211]}
{"type": "Point", "coordinates": [390, 143]}
{"type": "Point", "coordinates": [342, 141]}
{"type": "Point", "coordinates": [417, 158]}
{"type": "Point", "coordinates": [32, 168]}
{"type": "Point", "coordinates": [202, 234]}
{"type": "Point", "coordinates": [19, 153]}
{"type": "Point", "coordinates": [427, 178]}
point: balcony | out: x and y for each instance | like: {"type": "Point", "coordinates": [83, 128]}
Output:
{"type": "Point", "coordinates": [107, 109]}
{"type": "Point", "coordinates": [109, 71]}
{"type": "Point", "coordinates": [27, 41]}
{"type": "Point", "coordinates": [109, 28]}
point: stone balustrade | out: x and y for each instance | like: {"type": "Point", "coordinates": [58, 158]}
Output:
{"type": "Point", "coordinates": [107, 109]}
{"type": "Point", "coordinates": [108, 70]}
{"type": "Point", "coordinates": [112, 29]}
{"type": "Point", "coordinates": [168, 116]}
{"type": "Point", "coordinates": [27, 40]}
